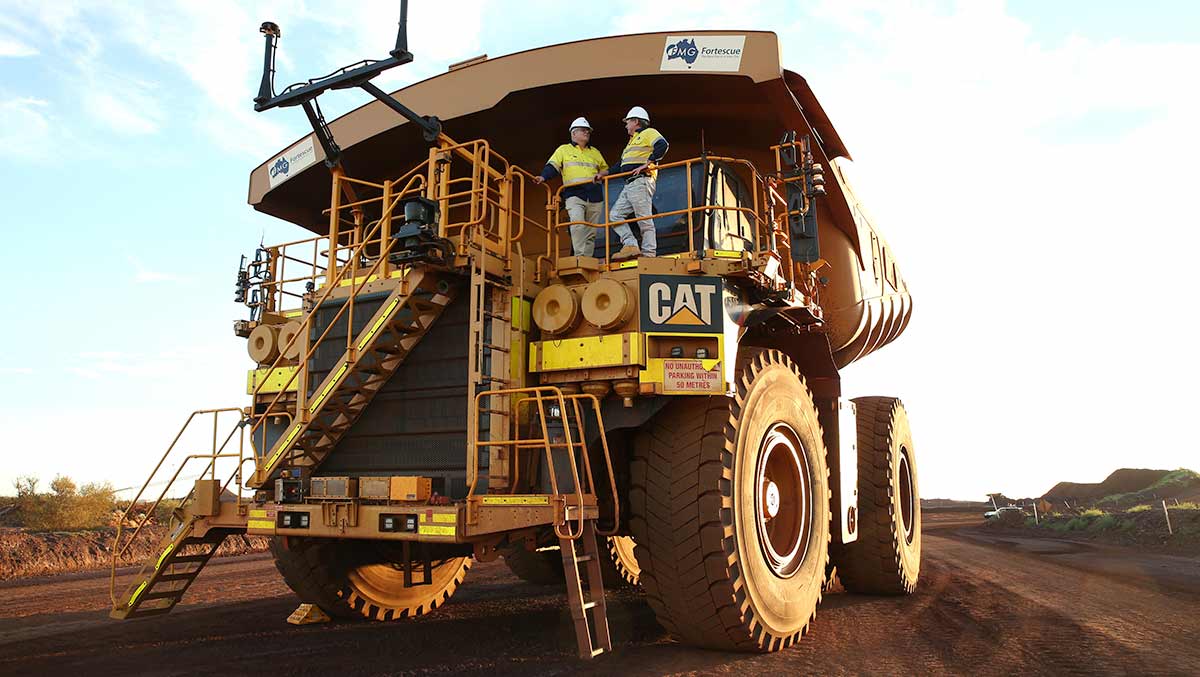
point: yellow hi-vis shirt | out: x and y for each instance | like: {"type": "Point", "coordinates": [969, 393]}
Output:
{"type": "Point", "coordinates": [577, 165]}
{"type": "Point", "coordinates": [641, 145]}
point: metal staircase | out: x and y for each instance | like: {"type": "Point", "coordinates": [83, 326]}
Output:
{"type": "Point", "coordinates": [368, 362]}
{"type": "Point", "coordinates": [212, 510]}
{"type": "Point", "coordinates": [162, 582]}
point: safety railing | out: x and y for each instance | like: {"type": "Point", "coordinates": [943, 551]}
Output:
{"type": "Point", "coordinates": [573, 441]}
{"type": "Point", "coordinates": [124, 539]}
{"type": "Point", "coordinates": [474, 188]}
{"type": "Point", "coordinates": [352, 275]}
{"type": "Point", "coordinates": [763, 213]}
{"type": "Point", "coordinates": [294, 270]}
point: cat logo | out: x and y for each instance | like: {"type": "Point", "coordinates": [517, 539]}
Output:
{"type": "Point", "coordinates": [679, 303]}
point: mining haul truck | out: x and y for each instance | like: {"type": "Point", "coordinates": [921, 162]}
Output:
{"type": "Point", "coordinates": [438, 380]}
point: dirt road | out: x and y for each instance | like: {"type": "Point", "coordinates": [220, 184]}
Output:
{"type": "Point", "coordinates": [987, 604]}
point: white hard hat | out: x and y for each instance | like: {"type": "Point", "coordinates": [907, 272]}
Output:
{"type": "Point", "coordinates": [580, 122]}
{"type": "Point", "coordinates": [637, 112]}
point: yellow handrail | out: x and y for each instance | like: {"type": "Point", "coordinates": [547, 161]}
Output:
{"type": "Point", "coordinates": [120, 548]}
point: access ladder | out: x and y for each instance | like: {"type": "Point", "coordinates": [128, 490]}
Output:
{"type": "Point", "coordinates": [588, 609]}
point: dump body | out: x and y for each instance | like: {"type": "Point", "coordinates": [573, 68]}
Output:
{"type": "Point", "coordinates": [522, 102]}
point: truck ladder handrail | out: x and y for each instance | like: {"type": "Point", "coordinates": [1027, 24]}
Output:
{"type": "Point", "coordinates": [540, 395]}
{"type": "Point", "coordinates": [217, 452]}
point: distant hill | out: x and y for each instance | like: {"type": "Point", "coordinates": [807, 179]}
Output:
{"type": "Point", "coordinates": [1130, 485]}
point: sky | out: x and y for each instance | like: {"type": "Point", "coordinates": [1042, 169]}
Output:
{"type": "Point", "coordinates": [1031, 164]}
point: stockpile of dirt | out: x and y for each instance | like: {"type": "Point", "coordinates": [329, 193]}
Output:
{"type": "Point", "coordinates": [1123, 481]}
{"type": "Point", "coordinates": [26, 553]}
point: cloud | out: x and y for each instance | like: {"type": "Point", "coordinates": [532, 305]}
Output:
{"type": "Point", "coordinates": [130, 112]}
{"type": "Point", "coordinates": [26, 129]}
{"type": "Point", "coordinates": [16, 370]}
{"type": "Point", "coordinates": [143, 275]}
{"type": "Point", "coordinates": [12, 47]}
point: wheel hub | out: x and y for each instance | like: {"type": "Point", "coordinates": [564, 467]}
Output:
{"type": "Point", "coordinates": [784, 504]}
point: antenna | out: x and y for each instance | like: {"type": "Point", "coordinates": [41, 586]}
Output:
{"type": "Point", "coordinates": [266, 88]}
{"type": "Point", "coordinates": [357, 74]}
{"type": "Point", "coordinates": [402, 34]}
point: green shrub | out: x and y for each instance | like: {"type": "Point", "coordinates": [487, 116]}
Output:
{"type": "Point", "coordinates": [1030, 522]}
{"type": "Point", "coordinates": [66, 506]}
{"type": "Point", "coordinates": [1175, 477]}
{"type": "Point", "coordinates": [1139, 508]}
{"type": "Point", "coordinates": [1103, 523]}
{"type": "Point", "coordinates": [1186, 505]}
{"type": "Point", "coordinates": [1091, 512]}
{"type": "Point", "coordinates": [1078, 523]}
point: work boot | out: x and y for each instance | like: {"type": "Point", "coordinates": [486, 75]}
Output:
{"type": "Point", "coordinates": [627, 252]}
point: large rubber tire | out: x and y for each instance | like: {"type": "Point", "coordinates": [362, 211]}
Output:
{"type": "Point", "coordinates": [349, 579]}
{"type": "Point", "coordinates": [622, 569]}
{"type": "Point", "coordinates": [541, 567]}
{"type": "Point", "coordinates": [544, 567]}
{"type": "Point", "coordinates": [886, 558]}
{"type": "Point", "coordinates": [697, 495]}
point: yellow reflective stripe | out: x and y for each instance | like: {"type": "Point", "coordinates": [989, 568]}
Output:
{"type": "Point", "coordinates": [163, 556]}
{"type": "Point", "coordinates": [516, 500]}
{"type": "Point", "coordinates": [287, 440]}
{"type": "Point", "coordinates": [312, 409]}
{"type": "Point", "coordinates": [443, 517]}
{"type": "Point", "coordinates": [379, 323]}
{"type": "Point", "coordinates": [580, 164]}
{"type": "Point", "coordinates": [430, 530]}
{"type": "Point", "coordinates": [574, 182]}
{"type": "Point", "coordinates": [260, 524]}
{"type": "Point", "coordinates": [137, 593]}
{"type": "Point", "coordinates": [258, 513]}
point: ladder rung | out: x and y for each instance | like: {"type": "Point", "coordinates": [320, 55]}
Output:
{"type": "Point", "coordinates": [166, 578]}
{"type": "Point", "coordinates": [189, 558]}
{"type": "Point", "coordinates": [597, 652]}
{"type": "Point", "coordinates": [581, 560]}
{"type": "Point", "coordinates": [589, 605]}
{"type": "Point", "coordinates": [167, 594]}
{"type": "Point", "coordinates": [493, 346]}
{"type": "Point", "coordinates": [498, 412]}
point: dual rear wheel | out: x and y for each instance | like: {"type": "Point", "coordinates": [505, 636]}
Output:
{"type": "Point", "coordinates": [731, 510]}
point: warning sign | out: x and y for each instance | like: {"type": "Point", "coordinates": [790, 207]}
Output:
{"type": "Point", "coordinates": [691, 375]}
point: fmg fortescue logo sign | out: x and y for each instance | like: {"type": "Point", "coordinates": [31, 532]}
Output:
{"type": "Point", "coordinates": [291, 162]}
{"type": "Point", "coordinates": [280, 167]}
{"type": "Point", "coordinates": [684, 49]}
{"type": "Point", "coordinates": [712, 53]}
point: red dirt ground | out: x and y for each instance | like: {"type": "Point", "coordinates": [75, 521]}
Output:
{"type": "Point", "coordinates": [987, 604]}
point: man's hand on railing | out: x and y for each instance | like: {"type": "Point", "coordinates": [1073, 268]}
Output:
{"type": "Point", "coordinates": [638, 170]}
{"type": "Point", "coordinates": [539, 180]}
{"type": "Point", "coordinates": [599, 175]}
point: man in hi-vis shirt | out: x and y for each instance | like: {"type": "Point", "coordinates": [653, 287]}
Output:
{"type": "Point", "coordinates": [580, 165]}
{"type": "Point", "coordinates": [646, 147]}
